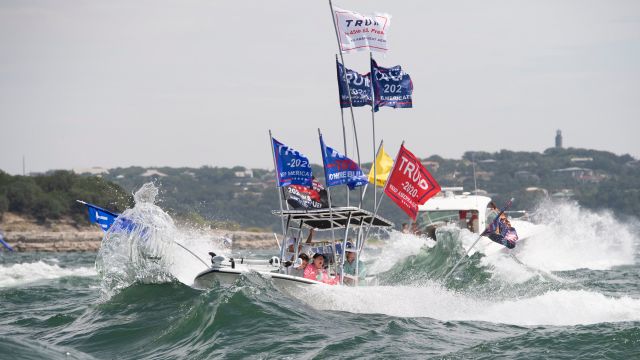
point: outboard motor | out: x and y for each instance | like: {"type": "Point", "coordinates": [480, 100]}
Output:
{"type": "Point", "coordinates": [275, 262]}
{"type": "Point", "coordinates": [221, 261]}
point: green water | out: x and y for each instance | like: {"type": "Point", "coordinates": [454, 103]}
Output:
{"type": "Point", "coordinates": [571, 291]}
{"type": "Point", "coordinates": [52, 309]}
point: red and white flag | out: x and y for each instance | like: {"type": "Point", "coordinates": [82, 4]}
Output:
{"type": "Point", "coordinates": [358, 32]}
{"type": "Point", "coordinates": [410, 184]}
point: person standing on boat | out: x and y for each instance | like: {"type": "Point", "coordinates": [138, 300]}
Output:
{"type": "Point", "coordinates": [492, 212]}
{"type": "Point", "coordinates": [316, 271]}
{"type": "Point", "coordinates": [290, 253]}
{"type": "Point", "coordinates": [501, 232]}
{"type": "Point", "coordinates": [350, 265]}
{"type": "Point", "coordinates": [415, 230]}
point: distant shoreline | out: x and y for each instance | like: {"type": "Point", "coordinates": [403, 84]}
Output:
{"type": "Point", "coordinates": [27, 235]}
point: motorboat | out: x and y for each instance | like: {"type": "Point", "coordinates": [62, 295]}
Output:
{"type": "Point", "coordinates": [351, 223]}
{"type": "Point", "coordinates": [463, 210]}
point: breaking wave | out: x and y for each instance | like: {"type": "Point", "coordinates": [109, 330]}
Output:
{"type": "Point", "coordinates": [26, 273]}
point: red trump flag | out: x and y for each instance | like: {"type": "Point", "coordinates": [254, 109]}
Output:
{"type": "Point", "coordinates": [409, 183]}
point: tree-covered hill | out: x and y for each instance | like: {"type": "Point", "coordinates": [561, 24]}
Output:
{"type": "Point", "coordinates": [245, 197]}
{"type": "Point", "coordinates": [238, 197]}
{"type": "Point", "coordinates": [52, 196]}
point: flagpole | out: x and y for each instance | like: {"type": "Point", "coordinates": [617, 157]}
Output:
{"type": "Point", "coordinates": [344, 76]}
{"type": "Point", "coordinates": [375, 212]}
{"type": "Point", "coordinates": [326, 181]}
{"type": "Point", "coordinates": [275, 167]}
{"type": "Point", "coordinates": [344, 129]}
{"type": "Point", "coordinates": [375, 176]}
{"type": "Point", "coordinates": [373, 130]}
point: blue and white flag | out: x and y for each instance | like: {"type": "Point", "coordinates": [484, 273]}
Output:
{"type": "Point", "coordinates": [360, 86]}
{"type": "Point", "coordinates": [100, 216]}
{"type": "Point", "coordinates": [339, 169]}
{"type": "Point", "coordinates": [292, 167]}
{"type": "Point", "coordinates": [392, 87]}
{"type": "Point", "coordinates": [106, 219]}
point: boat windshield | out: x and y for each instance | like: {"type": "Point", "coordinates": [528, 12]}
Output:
{"type": "Point", "coordinates": [431, 217]}
{"type": "Point", "coordinates": [462, 218]}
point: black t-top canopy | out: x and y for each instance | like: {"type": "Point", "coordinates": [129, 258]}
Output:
{"type": "Point", "coordinates": [322, 219]}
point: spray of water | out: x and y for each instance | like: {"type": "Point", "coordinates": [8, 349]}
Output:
{"type": "Point", "coordinates": [145, 246]}
{"type": "Point", "coordinates": [136, 247]}
{"type": "Point", "coordinates": [564, 237]}
{"type": "Point", "coordinates": [573, 238]}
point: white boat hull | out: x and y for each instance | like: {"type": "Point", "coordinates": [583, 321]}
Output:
{"type": "Point", "coordinates": [227, 276]}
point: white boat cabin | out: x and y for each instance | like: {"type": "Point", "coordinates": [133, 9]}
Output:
{"type": "Point", "coordinates": [453, 206]}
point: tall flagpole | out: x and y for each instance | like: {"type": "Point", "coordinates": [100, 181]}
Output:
{"type": "Point", "coordinates": [324, 167]}
{"type": "Point", "coordinates": [375, 176]}
{"type": "Point", "coordinates": [373, 131]}
{"type": "Point", "coordinates": [344, 76]}
{"type": "Point", "coordinates": [275, 167]}
{"type": "Point", "coordinates": [344, 129]}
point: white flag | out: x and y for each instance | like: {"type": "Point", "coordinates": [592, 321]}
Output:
{"type": "Point", "coordinates": [362, 32]}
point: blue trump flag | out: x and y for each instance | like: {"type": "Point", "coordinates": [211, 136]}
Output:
{"type": "Point", "coordinates": [292, 168]}
{"type": "Point", "coordinates": [100, 216]}
{"type": "Point", "coordinates": [360, 86]}
{"type": "Point", "coordinates": [393, 87]}
{"type": "Point", "coordinates": [106, 219]}
{"type": "Point", "coordinates": [339, 169]}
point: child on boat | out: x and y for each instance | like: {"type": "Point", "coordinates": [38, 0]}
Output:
{"type": "Point", "coordinates": [316, 271]}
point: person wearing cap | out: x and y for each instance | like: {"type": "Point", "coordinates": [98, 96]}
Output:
{"type": "Point", "coordinates": [301, 263]}
{"type": "Point", "coordinates": [316, 271]}
{"type": "Point", "coordinates": [290, 253]}
{"type": "Point", "coordinates": [350, 265]}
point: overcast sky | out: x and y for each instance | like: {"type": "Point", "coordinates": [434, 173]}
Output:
{"type": "Point", "coordinates": [193, 83]}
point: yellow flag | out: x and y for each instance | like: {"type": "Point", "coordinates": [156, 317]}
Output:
{"type": "Point", "coordinates": [384, 164]}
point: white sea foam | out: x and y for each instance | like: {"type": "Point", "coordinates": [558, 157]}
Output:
{"type": "Point", "coordinates": [24, 273]}
{"type": "Point", "coordinates": [562, 307]}
{"type": "Point", "coordinates": [396, 248]}
{"type": "Point", "coordinates": [575, 238]}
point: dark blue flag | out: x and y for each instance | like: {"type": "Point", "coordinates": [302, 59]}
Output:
{"type": "Point", "coordinates": [339, 169]}
{"type": "Point", "coordinates": [360, 86]}
{"type": "Point", "coordinates": [392, 86]}
{"type": "Point", "coordinates": [293, 168]}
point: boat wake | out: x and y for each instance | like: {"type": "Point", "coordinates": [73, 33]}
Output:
{"type": "Point", "coordinates": [560, 307]}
